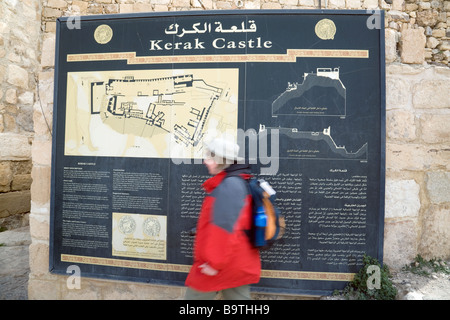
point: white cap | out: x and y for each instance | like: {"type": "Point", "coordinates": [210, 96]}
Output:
{"type": "Point", "coordinates": [224, 148]}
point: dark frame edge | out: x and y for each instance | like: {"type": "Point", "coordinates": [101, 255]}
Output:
{"type": "Point", "coordinates": [170, 14]}
{"type": "Point", "coordinates": [53, 163]}
{"type": "Point", "coordinates": [383, 138]}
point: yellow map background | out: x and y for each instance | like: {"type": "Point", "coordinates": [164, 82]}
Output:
{"type": "Point", "coordinates": [149, 113]}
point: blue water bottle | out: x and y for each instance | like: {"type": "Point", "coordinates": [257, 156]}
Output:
{"type": "Point", "coordinates": [260, 230]}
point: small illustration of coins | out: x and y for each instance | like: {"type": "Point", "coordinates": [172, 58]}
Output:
{"type": "Point", "coordinates": [325, 29]}
{"type": "Point", "coordinates": [127, 225]}
{"type": "Point", "coordinates": [152, 227]}
{"type": "Point", "coordinates": [103, 34]}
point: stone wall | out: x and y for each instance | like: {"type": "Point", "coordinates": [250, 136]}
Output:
{"type": "Point", "coordinates": [19, 60]}
{"type": "Point", "coordinates": [417, 149]}
{"type": "Point", "coordinates": [417, 219]}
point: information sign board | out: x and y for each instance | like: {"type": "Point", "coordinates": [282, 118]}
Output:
{"type": "Point", "coordinates": [137, 95]}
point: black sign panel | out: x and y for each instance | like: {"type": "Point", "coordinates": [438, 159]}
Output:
{"type": "Point", "coordinates": [137, 95]}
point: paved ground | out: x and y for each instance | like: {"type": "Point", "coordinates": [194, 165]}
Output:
{"type": "Point", "coordinates": [14, 270]}
{"type": "Point", "coordinates": [14, 265]}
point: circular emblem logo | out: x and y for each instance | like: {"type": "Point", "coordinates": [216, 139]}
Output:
{"type": "Point", "coordinates": [127, 225]}
{"type": "Point", "coordinates": [325, 29]}
{"type": "Point", "coordinates": [152, 227]}
{"type": "Point", "coordinates": [103, 34]}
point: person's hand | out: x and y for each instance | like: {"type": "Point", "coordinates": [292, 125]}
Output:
{"type": "Point", "coordinates": [208, 270]}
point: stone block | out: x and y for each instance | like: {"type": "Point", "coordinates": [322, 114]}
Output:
{"type": "Point", "coordinates": [435, 239]}
{"type": "Point", "coordinates": [79, 6]}
{"type": "Point", "coordinates": [42, 122]}
{"type": "Point", "coordinates": [31, 12]}
{"type": "Point", "coordinates": [160, 8]}
{"type": "Point", "coordinates": [402, 199]}
{"type": "Point", "coordinates": [400, 242]}
{"type": "Point", "coordinates": [399, 70]}
{"type": "Point", "coordinates": [432, 42]}
{"type": "Point", "coordinates": [293, 2]}
{"type": "Point", "coordinates": [15, 221]}
{"type": "Point", "coordinates": [14, 146]}
{"type": "Point", "coordinates": [431, 94]}
{"type": "Point", "coordinates": [274, 5]}
{"type": "Point", "coordinates": [39, 258]}
{"type": "Point", "coordinates": [12, 110]}
{"type": "Point", "coordinates": [3, 71]}
{"type": "Point", "coordinates": [9, 122]}
{"type": "Point", "coordinates": [438, 33]}
{"type": "Point", "coordinates": [181, 3]}
{"type": "Point", "coordinates": [40, 188]}
{"type": "Point", "coordinates": [167, 2]}
{"type": "Point", "coordinates": [398, 93]}
{"type": "Point", "coordinates": [427, 18]}
{"type": "Point", "coordinates": [370, 4]}
{"type": "Point", "coordinates": [50, 27]}
{"type": "Point", "coordinates": [438, 186]}
{"type": "Point", "coordinates": [397, 5]}
{"type": "Point", "coordinates": [6, 176]}
{"type": "Point", "coordinates": [24, 119]}
{"type": "Point", "coordinates": [111, 8]}
{"type": "Point", "coordinates": [95, 8]}
{"type": "Point", "coordinates": [46, 87]}
{"type": "Point", "coordinates": [447, 6]}
{"type": "Point", "coordinates": [304, 3]}
{"type": "Point", "coordinates": [11, 96]}
{"type": "Point", "coordinates": [51, 13]}
{"type": "Point", "coordinates": [353, 4]}
{"type": "Point", "coordinates": [89, 291]}
{"type": "Point", "coordinates": [391, 45]}
{"type": "Point", "coordinates": [397, 15]}
{"type": "Point", "coordinates": [128, 290]}
{"type": "Point", "coordinates": [42, 152]}
{"type": "Point", "coordinates": [22, 167]}
{"type": "Point", "coordinates": [142, 7]}
{"type": "Point", "coordinates": [12, 203]}
{"type": "Point", "coordinates": [40, 209]}
{"type": "Point", "coordinates": [413, 45]}
{"type": "Point", "coordinates": [21, 182]}
{"type": "Point", "coordinates": [48, 51]}
{"type": "Point", "coordinates": [122, 291]}
{"type": "Point", "coordinates": [400, 125]}
{"type": "Point", "coordinates": [416, 157]}
{"type": "Point", "coordinates": [17, 76]}
{"type": "Point", "coordinates": [39, 227]}
{"type": "Point", "coordinates": [27, 98]}
{"type": "Point", "coordinates": [444, 46]}
{"type": "Point", "coordinates": [424, 5]}
{"type": "Point", "coordinates": [125, 8]}
{"type": "Point", "coordinates": [59, 4]}
{"type": "Point", "coordinates": [43, 289]}
{"type": "Point", "coordinates": [435, 128]}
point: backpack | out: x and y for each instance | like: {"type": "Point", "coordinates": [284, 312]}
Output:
{"type": "Point", "coordinates": [263, 204]}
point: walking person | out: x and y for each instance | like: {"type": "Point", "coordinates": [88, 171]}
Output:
{"type": "Point", "coordinates": [224, 258]}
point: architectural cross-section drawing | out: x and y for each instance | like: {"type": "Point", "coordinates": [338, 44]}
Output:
{"type": "Point", "coordinates": [320, 94]}
{"type": "Point", "coordinates": [318, 145]}
{"type": "Point", "coordinates": [149, 113]}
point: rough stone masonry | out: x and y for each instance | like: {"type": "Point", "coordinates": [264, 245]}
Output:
{"type": "Point", "coordinates": [19, 62]}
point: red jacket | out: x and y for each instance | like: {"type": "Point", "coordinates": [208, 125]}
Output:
{"type": "Point", "coordinates": [221, 240]}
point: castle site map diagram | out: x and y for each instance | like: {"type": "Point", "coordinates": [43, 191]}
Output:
{"type": "Point", "coordinates": [149, 113]}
